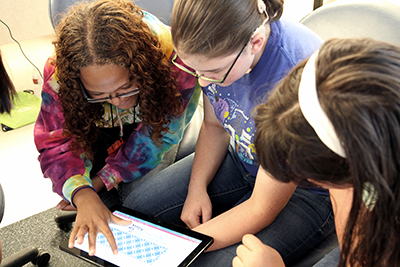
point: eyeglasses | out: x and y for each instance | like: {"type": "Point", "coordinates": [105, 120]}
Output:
{"type": "Point", "coordinates": [230, 68]}
{"type": "Point", "coordinates": [201, 76]}
{"type": "Point", "coordinates": [104, 99]}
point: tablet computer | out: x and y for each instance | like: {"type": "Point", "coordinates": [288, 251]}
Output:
{"type": "Point", "coordinates": [144, 243]}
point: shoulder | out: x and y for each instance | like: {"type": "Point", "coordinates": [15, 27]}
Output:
{"type": "Point", "coordinates": [162, 32]}
{"type": "Point", "coordinates": [294, 40]}
{"type": "Point", "coordinates": [50, 79]}
{"type": "Point", "coordinates": [294, 29]}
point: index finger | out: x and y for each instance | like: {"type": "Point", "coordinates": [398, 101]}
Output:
{"type": "Point", "coordinates": [106, 231]}
{"type": "Point", "coordinates": [110, 238]}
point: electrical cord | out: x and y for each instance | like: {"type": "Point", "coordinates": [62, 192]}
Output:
{"type": "Point", "coordinates": [20, 47]}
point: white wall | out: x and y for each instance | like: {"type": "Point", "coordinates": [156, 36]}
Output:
{"type": "Point", "coordinates": [26, 18]}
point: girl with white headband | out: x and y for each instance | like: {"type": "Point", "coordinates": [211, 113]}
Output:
{"type": "Point", "coordinates": [335, 121]}
{"type": "Point", "coordinates": [238, 50]}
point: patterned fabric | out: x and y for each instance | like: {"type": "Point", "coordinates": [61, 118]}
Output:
{"type": "Point", "coordinates": [127, 116]}
{"type": "Point", "coordinates": [137, 156]}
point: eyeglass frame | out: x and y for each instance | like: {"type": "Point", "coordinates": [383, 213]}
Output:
{"type": "Point", "coordinates": [104, 99]}
{"type": "Point", "coordinates": [202, 76]}
{"type": "Point", "coordinates": [231, 67]}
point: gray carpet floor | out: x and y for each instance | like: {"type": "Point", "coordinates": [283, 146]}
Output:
{"type": "Point", "coordinates": [39, 230]}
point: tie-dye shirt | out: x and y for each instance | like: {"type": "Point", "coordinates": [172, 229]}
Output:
{"type": "Point", "coordinates": [137, 156]}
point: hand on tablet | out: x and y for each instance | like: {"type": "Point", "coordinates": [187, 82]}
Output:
{"type": "Point", "coordinates": [174, 246]}
{"type": "Point", "coordinates": [197, 208]}
{"type": "Point", "coordinates": [253, 253]}
{"type": "Point", "coordinates": [93, 217]}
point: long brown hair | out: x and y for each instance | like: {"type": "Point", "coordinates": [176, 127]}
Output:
{"type": "Point", "coordinates": [112, 31]}
{"type": "Point", "coordinates": [358, 86]}
{"type": "Point", "coordinates": [218, 27]}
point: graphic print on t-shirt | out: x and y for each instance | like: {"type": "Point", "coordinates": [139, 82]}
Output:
{"type": "Point", "coordinates": [235, 120]}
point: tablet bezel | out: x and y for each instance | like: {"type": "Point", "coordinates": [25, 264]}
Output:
{"type": "Point", "coordinates": [206, 241]}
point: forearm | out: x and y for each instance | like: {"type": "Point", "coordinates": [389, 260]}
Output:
{"type": "Point", "coordinates": [212, 146]}
{"type": "Point", "coordinates": [229, 228]}
{"type": "Point", "coordinates": [57, 161]}
{"type": "Point", "coordinates": [269, 197]}
{"type": "Point", "coordinates": [210, 152]}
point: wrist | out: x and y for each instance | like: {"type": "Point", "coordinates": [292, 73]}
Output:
{"type": "Point", "coordinates": [197, 187]}
{"type": "Point", "coordinates": [81, 194]}
{"type": "Point", "coordinates": [97, 183]}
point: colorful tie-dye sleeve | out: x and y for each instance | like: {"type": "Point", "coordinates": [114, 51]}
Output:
{"type": "Point", "coordinates": [56, 160]}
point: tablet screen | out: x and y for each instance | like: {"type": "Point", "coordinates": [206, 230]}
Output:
{"type": "Point", "coordinates": [144, 243]}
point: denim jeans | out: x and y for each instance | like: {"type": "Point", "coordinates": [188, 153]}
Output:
{"type": "Point", "coordinates": [302, 224]}
{"type": "Point", "coordinates": [330, 260]}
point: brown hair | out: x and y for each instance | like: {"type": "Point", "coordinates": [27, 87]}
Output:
{"type": "Point", "coordinates": [112, 31]}
{"type": "Point", "coordinates": [359, 89]}
{"type": "Point", "coordinates": [218, 27]}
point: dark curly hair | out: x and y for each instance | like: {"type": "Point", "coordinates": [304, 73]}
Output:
{"type": "Point", "coordinates": [112, 32]}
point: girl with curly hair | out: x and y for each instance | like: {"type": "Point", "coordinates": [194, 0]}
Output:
{"type": "Point", "coordinates": [335, 121]}
{"type": "Point", "coordinates": [238, 50]}
{"type": "Point", "coordinates": [112, 106]}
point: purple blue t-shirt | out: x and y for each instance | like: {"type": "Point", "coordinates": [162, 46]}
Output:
{"type": "Point", "coordinates": [289, 43]}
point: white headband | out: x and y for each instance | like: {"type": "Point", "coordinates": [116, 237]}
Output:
{"type": "Point", "coordinates": [312, 110]}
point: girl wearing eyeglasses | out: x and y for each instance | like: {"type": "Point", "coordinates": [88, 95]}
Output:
{"type": "Point", "coordinates": [334, 120]}
{"type": "Point", "coordinates": [238, 50]}
{"type": "Point", "coordinates": [113, 108]}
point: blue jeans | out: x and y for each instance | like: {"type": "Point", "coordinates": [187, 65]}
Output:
{"type": "Point", "coordinates": [302, 224]}
{"type": "Point", "coordinates": [330, 260]}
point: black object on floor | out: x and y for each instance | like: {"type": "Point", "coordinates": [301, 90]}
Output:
{"type": "Point", "coordinates": [42, 231]}
{"type": "Point", "coordinates": [31, 254]}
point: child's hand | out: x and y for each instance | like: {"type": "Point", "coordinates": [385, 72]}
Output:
{"type": "Point", "coordinates": [65, 206]}
{"type": "Point", "coordinates": [93, 217]}
{"type": "Point", "coordinates": [253, 253]}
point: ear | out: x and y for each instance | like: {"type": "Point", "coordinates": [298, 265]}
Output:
{"type": "Point", "coordinates": [257, 42]}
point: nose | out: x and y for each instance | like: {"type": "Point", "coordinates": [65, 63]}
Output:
{"type": "Point", "coordinates": [114, 100]}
